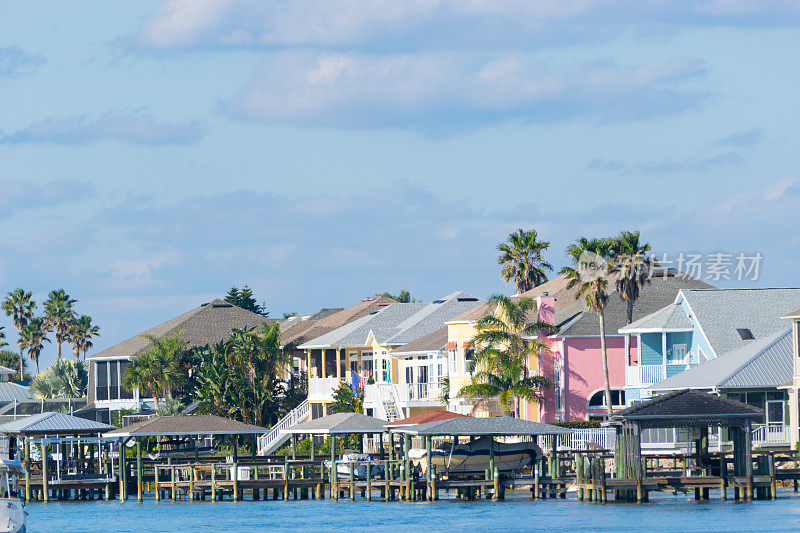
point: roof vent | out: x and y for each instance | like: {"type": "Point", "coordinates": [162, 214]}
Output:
{"type": "Point", "coordinates": [438, 301]}
{"type": "Point", "coordinates": [467, 299]}
{"type": "Point", "coordinates": [222, 305]}
{"type": "Point", "coordinates": [745, 334]}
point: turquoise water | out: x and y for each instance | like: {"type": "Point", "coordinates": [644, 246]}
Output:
{"type": "Point", "coordinates": [665, 513]}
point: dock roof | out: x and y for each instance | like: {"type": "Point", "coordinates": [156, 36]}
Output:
{"type": "Point", "coordinates": [339, 424]}
{"type": "Point", "coordinates": [187, 425]}
{"type": "Point", "coordinates": [497, 426]}
{"type": "Point", "coordinates": [688, 404]}
{"type": "Point", "coordinates": [50, 423]}
{"type": "Point", "coordinates": [424, 418]}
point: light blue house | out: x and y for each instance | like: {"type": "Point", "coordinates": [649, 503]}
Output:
{"type": "Point", "coordinates": [702, 325]}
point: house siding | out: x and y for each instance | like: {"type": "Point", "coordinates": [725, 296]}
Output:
{"type": "Point", "coordinates": [651, 349]}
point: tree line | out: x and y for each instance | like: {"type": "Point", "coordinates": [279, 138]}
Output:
{"type": "Point", "coordinates": [59, 318]}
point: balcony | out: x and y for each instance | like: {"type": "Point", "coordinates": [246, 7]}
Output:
{"type": "Point", "coordinates": [424, 391]}
{"type": "Point", "coordinates": [644, 375]}
{"type": "Point", "coordinates": [321, 389]}
{"type": "Point", "coordinates": [771, 435]}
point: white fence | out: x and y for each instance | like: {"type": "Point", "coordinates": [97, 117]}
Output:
{"type": "Point", "coordinates": [320, 389]}
{"type": "Point", "coordinates": [643, 375]}
{"type": "Point", "coordinates": [771, 435]}
{"type": "Point", "coordinates": [584, 438]}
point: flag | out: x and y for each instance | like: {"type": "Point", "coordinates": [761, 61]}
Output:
{"type": "Point", "coordinates": [355, 381]}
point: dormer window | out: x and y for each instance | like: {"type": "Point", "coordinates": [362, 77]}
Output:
{"type": "Point", "coordinates": [745, 334]}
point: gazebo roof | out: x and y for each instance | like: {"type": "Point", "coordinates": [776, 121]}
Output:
{"type": "Point", "coordinates": [492, 426]}
{"type": "Point", "coordinates": [424, 418]}
{"type": "Point", "coordinates": [187, 425]}
{"type": "Point", "coordinates": [339, 423]}
{"type": "Point", "coordinates": [50, 423]}
{"type": "Point", "coordinates": [685, 408]}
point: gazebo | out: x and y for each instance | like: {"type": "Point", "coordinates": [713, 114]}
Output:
{"type": "Point", "coordinates": [69, 437]}
{"type": "Point", "coordinates": [685, 409]}
{"type": "Point", "coordinates": [338, 424]}
{"type": "Point", "coordinates": [179, 426]}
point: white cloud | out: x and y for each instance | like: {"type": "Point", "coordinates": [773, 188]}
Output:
{"type": "Point", "coordinates": [138, 128]}
{"type": "Point", "coordinates": [139, 268]}
{"type": "Point", "coordinates": [410, 23]}
{"type": "Point", "coordinates": [427, 90]}
{"type": "Point", "coordinates": [15, 62]}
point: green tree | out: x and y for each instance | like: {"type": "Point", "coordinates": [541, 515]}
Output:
{"type": "Point", "coordinates": [404, 297]}
{"type": "Point", "coordinates": [344, 401]}
{"type": "Point", "coordinates": [241, 377]}
{"type": "Point", "coordinates": [32, 337]}
{"type": "Point", "coordinates": [159, 369]}
{"type": "Point", "coordinates": [59, 316]}
{"type": "Point", "coordinates": [11, 360]}
{"type": "Point", "coordinates": [633, 266]}
{"type": "Point", "coordinates": [81, 335]}
{"type": "Point", "coordinates": [506, 346]}
{"type": "Point", "coordinates": [522, 260]}
{"type": "Point", "coordinates": [19, 305]}
{"type": "Point", "coordinates": [244, 298]}
{"type": "Point", "coordinates": [3, 336]}
{"type": "Point", "coordinates": [590, 271]}
{"type": "Point", "coordinates": [62, 379]}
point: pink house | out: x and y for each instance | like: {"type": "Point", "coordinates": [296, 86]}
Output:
{"type": "Point", "coordinates": [574, 362]}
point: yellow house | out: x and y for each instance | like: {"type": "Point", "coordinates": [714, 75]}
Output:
{"type": "Point", "coordinates": [365, 347]}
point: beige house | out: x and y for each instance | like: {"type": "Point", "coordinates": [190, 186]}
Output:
{"type": "Point", "coordinates": [794, 386]}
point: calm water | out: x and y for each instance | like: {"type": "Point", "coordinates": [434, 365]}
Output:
{"type": "Point", "coordinates": [668, 513]}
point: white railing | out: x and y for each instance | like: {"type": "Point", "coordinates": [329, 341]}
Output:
{"type": "Point", "coordinates": [771, 435]}
{"type": "Point", "coordinates": [269, 442]}
{"type": "Point", "coordinates": [424, 391]}
{"type": "Point", "coordinates": [322, 388]}
{"type": "Point", "coordinates": [583, 438]}
{"type": "Point", "coordinates": [643, 375]}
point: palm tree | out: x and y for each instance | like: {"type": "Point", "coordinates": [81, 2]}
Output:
{"type": "Point", "coordinates": [81, 335]}
{"type": "Point", "coordinates": [158, 369]}
{"type": "Point", "coordinates": [59, 315]}
{"type": "Point", "coordinates": [62, 379]}
{"type": "Point", "coordinates": [590, 271]}
{"type": "Point", "coordinates": [633, 266]}
{"type": "Point", "coordinates": [500, 367]}
{"type": "Point", "coordinates": [3, 337]}
{"type": "Point", "coordinates": [19, 305]}
{"type": "Point", "coordinates": [522, 257]}
{"type": "Point", "coordinates": [33, 336]}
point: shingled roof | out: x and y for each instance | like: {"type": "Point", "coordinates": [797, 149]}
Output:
{"type": "Point", "coordinates": [424, 418]}
{"type": "Point", "coordinates": [187, 425]}
{"type": "Point", "coordinates": [206, 324]}
{"type": "Point", "coordinates": [317, 325]}
{"type": "Point", "coordinates": [339, 424]}
{"type": "Point", "coordinates": [432, 342]}
{"type": "Point", "coordinates": [688, 403]}
{"type": "Point", "coordinates": [497, 426]}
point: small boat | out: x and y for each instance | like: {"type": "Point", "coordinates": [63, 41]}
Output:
{"type": "Point", "coordinates": [472, 458]}
{"type": "Point", "coordinates": [12, 506]}
{"type": "Point", "coordinates": [344, 465]}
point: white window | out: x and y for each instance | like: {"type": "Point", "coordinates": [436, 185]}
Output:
{"type": "Point", "coordinates": [598, 399]}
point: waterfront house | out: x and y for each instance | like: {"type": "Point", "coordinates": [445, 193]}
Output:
{"type": "Point", "coordinates": [702, 325]}
{"type": "Point", "coordinates": [365, 347]}
{"type": "Point", "coordinates": [204, 325]}
{"type": "Point", "coordinates": [793, 385]}
{"type": "Point", "coordinates": [573, 359]}
{"type": "Point", "coordinates": [297, 330]}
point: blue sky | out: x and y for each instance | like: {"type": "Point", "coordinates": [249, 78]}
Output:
{"type": "Point", "coordinates": [154, 153]}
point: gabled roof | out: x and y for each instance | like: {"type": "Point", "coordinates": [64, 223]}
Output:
{"type": "Point", "coordinates": [4, 370]}
{"type": "Point", "coordinates": [662, 290]}
{"type": "Point", "coordinates": [397, 324]}
{"type": "Point", "coordinates": [300, 331]}
{"type": "Point", "coordinates": [339, 423]}
{"type": "Point", "coordinates": [670, 318]}
{"type": "Point", "coordinates": [50, 423]}
{"type": "Point", "coordinates": [432, 342]}
{"type": "Point", "coordinates": [424, 418]}
{"type": "Point", "coordinates": [721, 311]}
{"type": "Point", "coordinates": [206, 324]}
{"type": "Point", "coordinates": [793, 315]}
{"type": "Point", "coordinates": [187, 425]}
{"type": "Point", "coordinates": [688, 403]}
{"type": "Point", "coordinates": [10, 391]}
{"type": "Point", "coordinates": [496, 426]}
{"type": "Point", "coordinates": [763, 363]}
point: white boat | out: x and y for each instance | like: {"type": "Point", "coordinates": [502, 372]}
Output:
{"type": "Point", "coordinates": [472, 458]}
{"type": "Point", "coordinates": [12, 505]}
{"type": "Point", "coordinates": [344, 465]}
